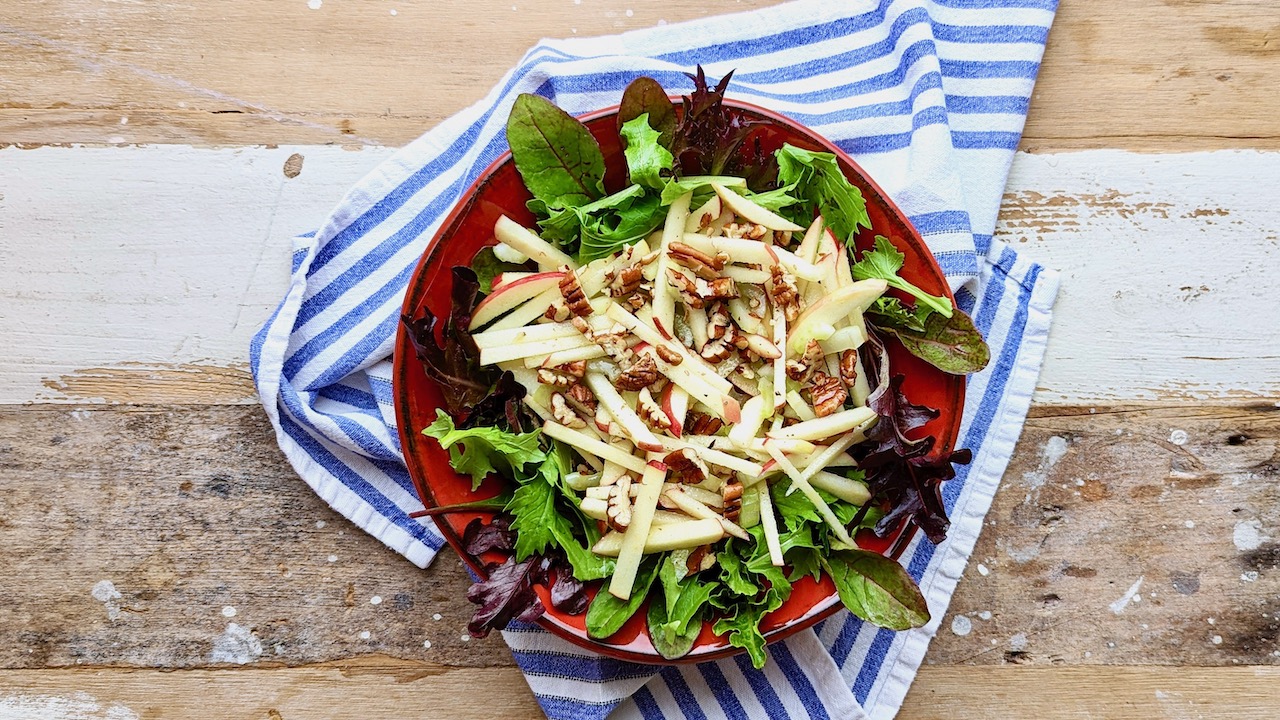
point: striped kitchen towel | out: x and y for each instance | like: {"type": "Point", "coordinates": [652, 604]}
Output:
{"type": "Point", "coordinates": [929, 96]}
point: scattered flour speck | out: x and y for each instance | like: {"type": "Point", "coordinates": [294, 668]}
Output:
{"type": "Point", "coordinates": [365, 634]}
{"type": "Point", "coordinates": [1189, 524]}
{"type": "Point", "coordinates": [1216, 639]}
{"type": "Point", "coordinates": [333, 558]}
{"type": "Point", "coordinates": [237, 645]}
{"type": "Point", "coordinates": [961, 625]}
{"type": "Point", "coordinates": [1212, 621]}
{"type": "Point", "coordinates": [393, 11]}
{"type": "Point", "coordinates": [985, 615]}
{"type": "Point", "coordinates": [1018, 642]}
{"type": "Point", "coordinates": [426, 644]}
{"type": "Point", "coordinates": [1248, 535]}
{"type": "Point", "coordinates": [315, 4]}
{"type": "Point", "coordinates": [466, 637]}
{"type": "Point", "coordinates": [320, 524]}
{"type": "Point", "coordinates": [1178, 437]}
{"type": "Point", "coordinates": [982, 570]}
{"type": "Point", "coordinates": [436, 616]}
{"type": "Point", "coordinates": [375, 600]}
{"type": "Point", "coordinates": [1249, 576]}
{"type": "Point", "coordinates": [630, 12]}
{"type": "Point", "coordinates": [228, 611]}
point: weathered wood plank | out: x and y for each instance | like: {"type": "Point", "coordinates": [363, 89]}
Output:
{"type": "Point", "coordinates": [1142, 75]}
{"type": "Point", "coordinates": [1145, 312]}
{"type": "Point", "coordinates": [188, 512]}
{"type": "Point", "coordinates": [383, 687]}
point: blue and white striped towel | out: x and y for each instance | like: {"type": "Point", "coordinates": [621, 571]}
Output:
{"type": "Point", "coordinates": [929, 96]}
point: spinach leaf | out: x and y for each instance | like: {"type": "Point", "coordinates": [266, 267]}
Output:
{"type": "Point", "coordinates": [822, 186]}
{"type": "Point", "coordinates": [877, 589]}
{"type": "Point", "coordinates": [608, 614]}
{"type": "Point", "coordinates": [951, 344]}
{"type": "Point", "coordinates": [674, 624]}
{"type": "Point", "coordinates": [884, 262]}
{"type": "Point", "coordinates": [556, 155]}
{"type": "Point", "coordinates": [667, 640]}
{"type": "Point", "coordinates": [487, 266]}
{"type": "Point", "coordinates": [647, 160]}
{"type": "Point", "coordinates": [483, 450]}
{"type": "Point", "coordinates": [644, 96]}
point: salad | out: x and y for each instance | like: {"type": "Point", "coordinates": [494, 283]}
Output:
{"type": "Point", "coordinates": [684, 384]}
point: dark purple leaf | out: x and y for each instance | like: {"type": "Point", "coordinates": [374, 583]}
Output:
{"type": "Point", "coordinates": [568, 594]}
{"type": "Point", "coordinates": [506, 595]}
{"type": "Point", "coordinates": [481, 537]}
{"type": "Point", "coordinates": [709, 136]}
{"type": "Point", "coordinates": [503, 407]}
{"type": "Point", "coordinates": [449, 354]}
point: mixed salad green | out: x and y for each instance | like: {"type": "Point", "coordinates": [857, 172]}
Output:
{"type": "Point", "coordinates": [684, 385]}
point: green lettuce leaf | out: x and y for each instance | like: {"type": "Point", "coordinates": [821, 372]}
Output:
{"type": "Point", "coordinates": [645, 96]}
{"type": "Point", "coordinates": [877, 589]}
{"type": "Point", "coordinates": [487, 266]}
{"type": "Point", "coordinates": [774, 200]}
{"type": "Point", "coordinates": [483, 450]}
{"type": "Point", "coordinates": [951, 344]}
{"type": "Point", "coordinates": [674, 624]}
{"type": "Point", "coordinates": [558, 158]}
{"type": "Point", "coordinates": [647, 159]}
{"type": "Point", "coordinates": [743, 628]}
{"type": "Point", "coordinates": [608, 614]}
{"type": "Point", "coordinates": [822, 186]}
{"type": "Point", "coordinates": [884, 262]}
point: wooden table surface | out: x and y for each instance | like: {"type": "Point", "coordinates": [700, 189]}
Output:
{"type": "Point", "coordinates": [160, 559]}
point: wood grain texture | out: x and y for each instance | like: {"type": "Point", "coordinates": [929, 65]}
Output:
{"type": "Point", "coordinates": [146, 284]}
{"type": "Point", "coordinates": [197, 523]}
{"type": "Point", "coordinates": [382, 687]}
{"type": "Point", "coordinates": [1170, 75]}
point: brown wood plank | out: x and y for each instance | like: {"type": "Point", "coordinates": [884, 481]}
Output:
{"type": "Point", "coordinates": [377, 686]}
{"type": "Point", "coordinates": [187, 511]}
{"type": "Point", "coordinates": [1146, 74]}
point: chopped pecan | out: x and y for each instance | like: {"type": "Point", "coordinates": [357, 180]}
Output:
{"type": "Point", "coordinates": [745, 230]}
{"type": "Point", "coordinates": [564, 414]}
{"type": "Point", "coordinates": [801, 368]}
{"type": "Point", "coordinates": [783, 290]}
{"type": "Point", "coordinates": [849, 367]}
{"type": "Point", "coordinates": [731, 493]}
{"type": "Point", "coordinates": [686, 467]}
{"type": "Point", "coordinates": [640, 374]}
{"type": "Point", "coordinates": [619, 512]}
{"type": "Point", "coordinates": [627, 281]}
{"type": "Point", "coordinates": [827, 394]}
{"type": "Point", "coordinates": [716, 350]}
{"type": "Point", "coordinates": [564, 375]}
{"type": "Point", "coordinates": [717, 289]}
{"type": "Point", "coordinates": [669, 356]}
{"type": "Point", "coordinates": [557, 312]}
{"type": "Point", "coordinates": [700, 558]}
{"type": "Point", "coordinates": [613, 341]}
{"type": "Point", "coordinates": [574, 297]}
{"type": "Point", "coordinates": [649, 410]}
{"type": "Point", "coordinates": [718, 321]}
{"type": "Point", "coordinates": [701, 423]}
{"type": "Point", "coordinates": [702, 264]}
{"type": "Point", "coordinates": [687, 287]}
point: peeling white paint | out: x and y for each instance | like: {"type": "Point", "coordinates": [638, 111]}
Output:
{"type": "Point", "coordinates": [1118, 606]}
{"type": "Point", "coordinates": [1248, 535]}
{"type": "Point", "coordinates": [73, 706]}
{"type": "Point", "coordinates": [1178, 437]}
{"type": "Point", "coordinates": [237, 645]}
{"type": "Point", "coordinates": [104, 591]}
{"type": "Point", "coordinates": [1018, 642]}
{"type": "Point", "coordinates": [961, 625]}
{"type": "Point", "coordinates": [1050, 454]}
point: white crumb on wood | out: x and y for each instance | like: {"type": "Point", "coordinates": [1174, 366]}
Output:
{"type": "Point", "coordinates": [961, 625]}
{"type": "Point", "coordinates": [1248, 535]}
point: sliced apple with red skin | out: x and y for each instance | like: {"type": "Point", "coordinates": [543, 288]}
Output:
{"type": "Point", "coordinates": [508, 297]}
{"type": "Point", "coordinates": [523, 240]}
{"type": "Point", "coordinates": [617, 408]}
{"type": "Point", "coordinates": [754, 412]}
{"type": "Point", "coordinates": [704, 215]}
{"type": "Point", "coordinates": [830, 310]}
{"type": "Point", "coordinates": [675, 404]}
{"type": "Point", "coordinates": [503, 278]}
{"type": "Point", "coordinates": [808, 248]}
{"type": "Point", "coordinates": [748, 210]}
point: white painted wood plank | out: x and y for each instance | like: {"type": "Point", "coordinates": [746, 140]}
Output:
{"type": "Point", "coordinates": [158, 263]}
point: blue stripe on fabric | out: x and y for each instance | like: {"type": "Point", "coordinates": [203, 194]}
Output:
{"type": "Point", "coordinates": [647, 706]}
{"type": "Point", "coordinates": [979, 69]}
{"type": "Point", "coordinates": [564, 708]}
{"type": "Point", "coordinates": [1049, 5]}
{"type": "Point", "coordinates": [941, 221]}
{"type": "Point", "coordinates": [377, 453]}
{"type": "Point", "coordinates": [341, 326]}
{"type": "Point", "coordinates": [551, 663]}
{"type": "Point", "coordinates": [361, 487]}
{"type": "Point", "coordinates": [799, 681]}
{"type": "Point", "coordinates": [684, 697]}
{"type": "Point", "coordinates": [981, 243]}
{"type": "Point", "coordinates": [988, 104]}
{"type": "Point", "coordinates": [720, 687]}
{"type": "Point", "coordinates": [349, 396]}
{"type": "Point", "coordinates": [968, 140]}
{"type": "Point", "coordinates": [991, 34]}
{"type": "Point", "coordinates": [763, 689]}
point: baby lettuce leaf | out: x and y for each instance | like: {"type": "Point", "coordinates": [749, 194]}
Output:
{"type": "Point", "coordinates": [884, 262]}
{"type": "Point", "coordinates": [487, 266]}
{"type": "Point", "coordinates": [709, 135]}
{"type": "Point", "coordinates": [448, 353]}
{"type": "Point", "coordinates": [644, 96]}
{"type": "Point", "coordinates": [951, 344]}
{"type": "Point", "coordinates": [675, 622]}
{"type": "Point", "coordinates": [647, 159]}
{"type": "Point", "coordinates": [607, 614]}
{"type": "Point", "coordinates": [506, 595]}
{"type": "Point", "coordinates": [480, 451]}
{"type": "Point", "coordinates": [503, 407]}
{"type": "Point", "coordinates": [743, 628]}
{"type": "Point", "coordinates": [877, 589]}
{"type": "Point", "coordinates": [541, 517]}
{"type": "Point", "coordinates": [775, 199]}
{"type": "Point", "coordinates": [480, 537]}
{"type": "Point", "coordinates": [820, 185]}
{"type": "Point", "coordinates": [533, 512]}
{"type": "Point", "coordinates": [623, 218]}
{"type": "Point", "coordinates": [556, 155]}
{"type": "Point", "coordinates": [890, 313]}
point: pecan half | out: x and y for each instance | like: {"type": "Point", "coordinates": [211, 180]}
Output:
{"type": "Point", "coordinates": [703, 265]}
{"type": "Point", "coordinates": [782, 289]}
{"type": "Point", "coordinates": [827, 394]}
{"type": "Point", "coordinates": [717, 289]}
{"type": "Point", "coordinates": [687, 287]}
{"type": "Point", "coordinates": [731, 493]}
{"type": "Point", "coordinates": [564, 414]}
{"type": "Point", "coordinates": [701, 423]}
{"type": "Point", "coordinates": [574, 297]}
{"type": "Point", "coordinates": [640, 374]}
{"type": "Point", "coordinates": [669, 356]}
{"type": "Point", "coordinates": [619, 512]}
{"type": "Point", "coordinates": [581, 398]}
{"type": "Point", "coordinates": [716, 350]}
{"type": "Point", "coordinates": [684, 466]}
{"type": "Point", "coordinates": [649, 410]}
{"type": "Point", "coordinates": [627, 281]}
{"type": "Point", "coordinates": [849, 367]}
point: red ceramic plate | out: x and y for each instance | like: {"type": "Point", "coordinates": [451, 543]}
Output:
{"type": "Point", "coordinates": [499, 190]}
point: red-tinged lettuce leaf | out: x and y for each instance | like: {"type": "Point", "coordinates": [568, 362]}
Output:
{"type": "Point", "coordinates": [503, 407]}
{"type": "Point", "coordinates": [448, 353]}
{"type": "Point", "coordinates": [877, 589]}
{"type": "Point", "coordinates": [480, 537]}
{"type": "Point", "coordinates": [508, 594]}
{"type": "Point", "coordinates": [645, 95]}
{"type": "Point", "coordinates": [953, 345]}
{"type": "Point", "coordinates": [709, 138]}
{"type": "Point", "coordinates": [556, 155]}
{"type": "Point", "coordinates": [568, 594]}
